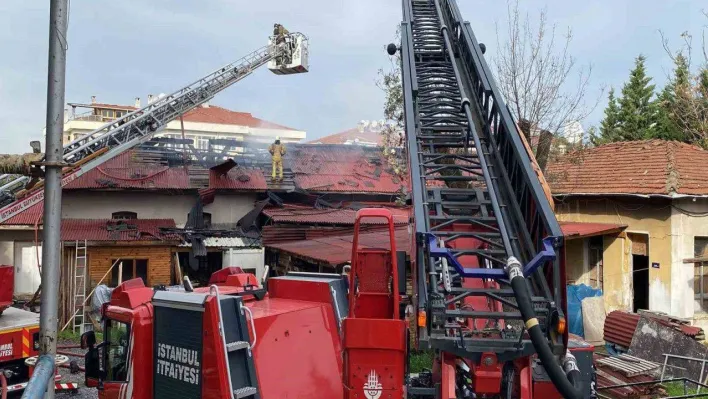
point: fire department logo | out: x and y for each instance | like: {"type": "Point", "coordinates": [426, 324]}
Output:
{"type": "Point", "coordinates": [372, 387]}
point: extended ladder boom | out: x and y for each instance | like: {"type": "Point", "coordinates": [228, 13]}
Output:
{"type": "Point", "coordinates": [136, 127]}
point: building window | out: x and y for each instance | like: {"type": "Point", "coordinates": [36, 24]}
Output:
{"type": "Point", "coordinates": [128, 269]}
{"type": "Point", "coordinates": [700, 272]}
{"type": "Point", "coordinates": [124, 215]}
{"type": "Point", "coordinates": [207, 219]}
{"type": "Point", "coordinates": [595, 250]}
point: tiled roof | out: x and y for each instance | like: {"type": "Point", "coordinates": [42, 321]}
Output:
{"type": "Point", "coordinates": [123, 172]}
{"type": "Point", "coordinates": [28, 217]}
{"type": "Point", "coordinates": [238, 179]}
{"type": "Point", "coordinates": [123, 230]}
{"type": "Point", "coordinates": [302, 214]}
{"type": "Point", "coordinates": [337, 250]}
{"type": "Point", "coordinates": [573, 230]}
{"type": "Point", "coordinates": [652, 167]}
{"type": "Point", "coordinates": [340, 168]}
{"type": "Point", "coordinates": [210, 114]}
{"type": "Point", "coordinates": [219, 115]}
{"type": "Point", "coordinates": [350, 136]}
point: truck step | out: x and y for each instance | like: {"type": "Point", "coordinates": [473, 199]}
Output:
{"type": "Point", "coordinates": [244, 392]}
{"type": "Point", "coordinates": [237, 345]}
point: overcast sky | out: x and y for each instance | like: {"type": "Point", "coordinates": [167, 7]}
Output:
{"type": "Point", "coordinates": [119, 50]}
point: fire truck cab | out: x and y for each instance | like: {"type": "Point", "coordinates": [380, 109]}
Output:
{"type": "Point", "coordinates": [160, 344]}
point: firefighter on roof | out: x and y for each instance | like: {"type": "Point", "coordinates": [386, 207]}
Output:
{"type": "Point", "coordinates": [277, 151]}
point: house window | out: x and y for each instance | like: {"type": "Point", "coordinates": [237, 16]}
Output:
{"type": "Point", "coordinates": [128, 269]}
{"type": "Point", "coordinates": [595, 250]}
{"type": "Point", "coordinates": [207, 219]}
{"type": "Point", "coordinates": [700, 272]}
{"type": "Point", "coordinates": [203, 142]}
{"type": "Point", "coordinates": [124, 215]}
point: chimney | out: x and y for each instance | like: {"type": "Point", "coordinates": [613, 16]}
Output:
{"type": "Point", "coordinates": [205, 104]}
{"type": "Point", "coordinates": [137, 102]}
{"type": "Point", "coordinates": [93, 99]}
{"type": "Point", "coordinates": [150, 98]}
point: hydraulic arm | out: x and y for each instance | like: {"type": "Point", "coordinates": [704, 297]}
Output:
{"type": "Point", "coordinates": [284, 55]}
{"type": "Point", "coordinates": [488, 274]}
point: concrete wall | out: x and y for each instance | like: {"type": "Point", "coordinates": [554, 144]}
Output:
{"type": "Point", "coordinates": [642, 216]}
{"type": "Point", "coordinates": [689, 219]}
{"type": "Point", "coordinates": [17, 249]}
{"type": "Point", "coordinates": [80, 127]}
{"type": "Point", "coordinates": [226, 208]}
{"type": "Point", "coordinates": [148, 205]}
{"type": "Point", "coordinates": [229, 208]}
{"type": "Point", "coordinates": [575, 259]}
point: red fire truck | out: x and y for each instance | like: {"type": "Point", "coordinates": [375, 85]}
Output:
{"type": "Point", "coordinates": [307, 335]}
{"type": "Point", "coordinates": [19, 340]}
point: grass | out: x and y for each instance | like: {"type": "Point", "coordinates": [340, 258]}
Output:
{"type": "Point", "coordinates": [70, 335]}
{"type": "Point", "coordinates": [421, 360]}
{"type": "Point", "coordinates": [676, 389]}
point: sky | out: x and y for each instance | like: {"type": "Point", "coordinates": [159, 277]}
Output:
{"type": "Point", "coordinates": [119, 50]}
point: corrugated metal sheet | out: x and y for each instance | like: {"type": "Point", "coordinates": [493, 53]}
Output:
{"type": "Point", "coordinates": [573, 230]}
{"type": "Point", "coordinates": [609, 377]}
{"type": "Point", "coordinates": [302, 214]}
{"type": "Point", "coordinates": [337, 250]}
{"type": "Point", "coordinates": [619, 327]}
{"type": "Point", "coordinates": [29, 216]}
{"type": "Point", "coordinates": [628, 365]}
{"type": "Point", "coordinates": [98, 230]}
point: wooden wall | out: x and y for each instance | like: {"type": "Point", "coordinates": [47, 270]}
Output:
{"type": "Point", "coordinates": [159, 260]}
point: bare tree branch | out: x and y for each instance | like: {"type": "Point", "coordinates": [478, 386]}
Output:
{"type": "Point", "coordinates": [535, 75]}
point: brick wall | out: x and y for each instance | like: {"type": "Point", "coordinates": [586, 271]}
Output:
{"type": "Point", "coordinates": [159, 260]}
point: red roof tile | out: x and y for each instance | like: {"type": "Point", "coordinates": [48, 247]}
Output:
{"type": "Point", "coordinates": [219, 115]}
{"type": "Point", "coordinates": [238, 179]}
{"type": "Point", "coordinates": [337, 250]}
{"type": "Point", "coordinates": [303, 214]}
{"type": "Point", "coordinates": [342, 168]}
{"type": "Point", "coordinates": [573, 230]}
{"type": "Point", "coordinates": [29, 216]}
{"type": "Point", "coordinates": [122, 172]}
{"type": "Point", "coordinates": [652, 167]}
{"type": "Point", "coordinates": [97, 230]}
{"type": "Point", "coordinates": [366, 137]}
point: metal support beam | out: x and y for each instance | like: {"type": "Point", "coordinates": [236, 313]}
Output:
{"type": "Point", "coordinates": [51, 256]}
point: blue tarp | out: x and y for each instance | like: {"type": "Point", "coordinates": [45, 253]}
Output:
{"type": "Point", "coordinates": [576, 294]}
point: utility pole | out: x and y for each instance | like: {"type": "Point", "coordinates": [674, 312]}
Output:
{"type": "Point", "coordinates": [51, 255]}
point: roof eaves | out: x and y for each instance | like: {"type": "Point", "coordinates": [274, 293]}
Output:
{"type": "Point", "coordinates": [645, 196]}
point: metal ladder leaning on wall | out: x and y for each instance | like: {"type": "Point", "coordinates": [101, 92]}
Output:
{"type": "Point", "coordinates": [80, 263]}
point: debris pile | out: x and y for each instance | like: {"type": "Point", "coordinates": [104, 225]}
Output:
{"type": "Point", "coordinates": [626, 370]}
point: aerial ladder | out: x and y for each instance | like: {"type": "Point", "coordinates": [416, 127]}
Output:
{"type": "Point", "coordinates": [487, 247]}
{"type": "Point", "coordinates": [285, 54]}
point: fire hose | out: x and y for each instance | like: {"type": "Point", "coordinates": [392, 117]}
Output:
{"type": "Point", "coordinates": [566, 381]}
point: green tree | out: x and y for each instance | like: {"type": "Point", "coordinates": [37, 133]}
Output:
{"type": "Point", "coordinates": [671, 103]}
{"type": "Point", "coordinates": [609, 127]}
{"type": "Point", "coordinates": [638, 113]}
